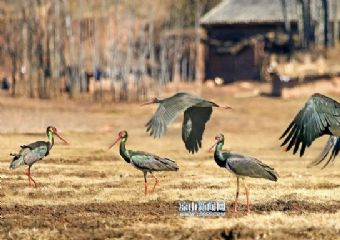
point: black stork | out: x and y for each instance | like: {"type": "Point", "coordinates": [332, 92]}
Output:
{"type": "Point", "coordinates": [197, 112]}
{"type": "Point", "coordinates": [143, 161]}
{"type": "Point", "coordinates": [320, 116]}
{"type": "Point", "coordinates": [31, 153]}
{"type": "Point", "coordinates": [241, 166]}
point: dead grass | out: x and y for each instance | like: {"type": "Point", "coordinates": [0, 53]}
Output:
{"type": "Point", "coordinates": [87, 192]}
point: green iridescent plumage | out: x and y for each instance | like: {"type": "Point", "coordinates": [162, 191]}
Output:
{"type": "Point", "coordinates": [241, 166]}
{"type": "Point", "coordinates": [146, 162]}
{"type": "Point", "coordinates": [31, 153]}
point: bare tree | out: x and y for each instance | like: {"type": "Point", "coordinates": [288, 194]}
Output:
{"type": "Point", "coordinates": [326, 21]}
{"type": "Point", "coordinates": [335, 8]}
{"type": "Point", "coordinates": [154, 42]}
{"type": "Point", "coordinates": [12, 43]}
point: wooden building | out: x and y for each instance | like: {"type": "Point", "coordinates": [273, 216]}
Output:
{"type": "Point", "coordinates": [241, 32]}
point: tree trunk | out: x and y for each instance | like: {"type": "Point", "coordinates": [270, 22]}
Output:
{"type": "Point", "coordinates": [336, 22]}
{"type": "Point", "coordinates": [200, 58]}
{"type": "Point", "coordinates": [326, 22]}
{"type": "Point", "coordinates": [13, 56]}
{"type": "Point", "coordinates": [287, 27]}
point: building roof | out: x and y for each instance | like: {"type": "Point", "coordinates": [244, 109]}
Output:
{"type": "Point", "coordinates": [249, 11]}
{"type": "Point", "coordinates": [262, 11]}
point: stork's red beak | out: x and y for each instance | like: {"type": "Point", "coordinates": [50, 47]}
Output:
{"type": "Point", "coordinates": [118, 138]}
{"type": "Point", "coordinates": [148, 102]}
{"type": "Point", "coordinates": [212, 147]}
{"type": "Point", "coordinates": [60, 137]}
{"type": "Point", "coordinates": [225, 107]}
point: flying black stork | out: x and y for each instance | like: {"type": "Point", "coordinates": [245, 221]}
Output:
{"type": "Point", "coordinates": [241, 166]}
{"type": "Point", "coordinates": [146, 162]}
{"type": "Point", "coordinates": [196, 110]}
{"type": "Point", "coordinates": [320, 116]}
{"type": "Point", "coordinates": [31, 153]}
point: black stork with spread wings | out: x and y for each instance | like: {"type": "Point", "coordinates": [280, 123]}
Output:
{"type": "Point", "coordinates": [320, 116]}
{"type": "Point", "coordinates": [197, 112]}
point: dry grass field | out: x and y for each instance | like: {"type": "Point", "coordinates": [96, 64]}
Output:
{"type": "Point", "coordinates": [87, 192]}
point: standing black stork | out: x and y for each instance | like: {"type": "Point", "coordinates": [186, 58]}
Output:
{"type": "Point", "coordinates": [241, 166]}
{"type": "Point", "coordinates": [196, 110]}
{"type": "Point", "coordinates": [31, 153]}
{"type": "Point", "coordinates": [320, 116]}
{"type": "Point", "coordinates": [146, 162]}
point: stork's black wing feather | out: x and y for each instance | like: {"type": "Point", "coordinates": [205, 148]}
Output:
{"type": "Point", "coordinates": [250, 167]}
{"type": "Point", "coordinates": [168, 110]}
{"type": "Point", "coordinates": [320, 116]}
{"type": "Point", "coordinates": [333, 142]}
{"type": "Point", "coordinates": [194, 126]}
{"type": "Point", "coordinates": [151, 162]}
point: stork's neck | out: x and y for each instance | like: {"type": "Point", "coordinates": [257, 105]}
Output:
{"type": "Point", "coordinates": [123, 151]}
{"type": "Point", "coordinates": [50, 139]}
{"type": "Point", "coordinates": [218, 155]}
{"type": "Point", "coordinates": [219, 146]}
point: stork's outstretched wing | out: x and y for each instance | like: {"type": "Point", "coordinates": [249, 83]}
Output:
{"type": "Point", "coordinates": [167, 112]}
{"type": "Point", "coordinates": [333, 142]}
{"type": "Point", "coordinates": [320, 116]}
{"type": "Point", "coordinates": [194, 126]}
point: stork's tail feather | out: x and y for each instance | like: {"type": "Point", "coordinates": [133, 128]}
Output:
{"type": "Point", "coordinates": [273, 175]}
{"type": "Point", "coordinates": [171, 165]}
{"type": "Point", "coordinates": [269, 172]}
{"type": "Point", "coordinates": [16, 161]}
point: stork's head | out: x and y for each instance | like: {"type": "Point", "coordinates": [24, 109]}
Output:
{"type": "Point", "coordinates": [219, 140]}
{"type": "Point", "coordinates": [52, 131]}
{"type": "Point", "coordinates": [151, 101]}
{"type": "Point", "coordinates": [122, 135]}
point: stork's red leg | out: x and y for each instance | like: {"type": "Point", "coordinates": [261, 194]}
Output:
{"type": "Point", "coordinates": [145, 189]}
{"type": "Point", "coordinates": [156, 182]}
{"type": "Point", "coordinates": [35, 184]}
{"type": "Point", "coordinates": [145, 185]}
{"type": "Point", "coordinates": [30, 179]}
{"type": "Point", "coordinates": [247, 194]}
{"type": "Point", "coordinates": [28, 175]}
{"type": "Point", "coordinates": [237, 193]}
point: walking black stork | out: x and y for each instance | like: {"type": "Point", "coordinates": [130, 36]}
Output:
{"type": "Point", "coordinates": [241, 166]}
{"type": "Point", "coordinates": [320, 116]}
{"type": "Point", "coordinates": [31, 153]}
{"type": "Point", "coordinates": [146, 162]}
{"type": "Point", "coordinates": [196, 110]}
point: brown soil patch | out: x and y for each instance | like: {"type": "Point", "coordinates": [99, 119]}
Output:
{"type": "Point", "coordinates": [81, 221]}
{"type": "Point", "coordinates": [244, 232]}
{"type": "Point", "coordinates": [296, 207]}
